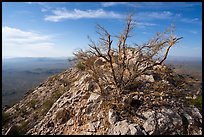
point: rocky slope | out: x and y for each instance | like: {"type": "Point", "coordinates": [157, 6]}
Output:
{"type": "Point", "coordinates": [71, 103]}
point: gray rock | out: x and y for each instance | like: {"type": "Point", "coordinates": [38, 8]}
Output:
{"type": "Point", "coordinates": [121, 128]}
{"type": "Point", "coordinates": [195, 112]}
{"type": "Point", "coordinates": [124, 128]}
{"type": "Point", "coordinates": [70, 122]}
{"type": "Point", "coordinates": [93, 97]}
{"type": "Point", "coordinates": [150, 125]}
{"type": "Point", "coordinates": [133, 130]}
{"type": "Point", "coordinates": [112, 116]}
{"type": "Point", "coordinates": [147, 114]}
{"type": "Point", "coordinates": [147, 78]}
{"type": "Point", "coordinates": [135, 97]}
{"type": "Point", "coordinates": [93, 126]}
{"type": "Point", "coordinates": [162, 122]}
{"type": "Point", "coordinates": [188, 117]}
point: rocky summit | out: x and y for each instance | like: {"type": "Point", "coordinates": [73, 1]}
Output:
{"type": "Point", "coordinates": [70, 103]}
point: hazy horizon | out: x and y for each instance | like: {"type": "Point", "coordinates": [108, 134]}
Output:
{"type": "Point", "coordinates": [64, 57]}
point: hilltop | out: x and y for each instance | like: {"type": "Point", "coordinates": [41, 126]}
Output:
{"type": "Point", "coordinates": [70, 103]}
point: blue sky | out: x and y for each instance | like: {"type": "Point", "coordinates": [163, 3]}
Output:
{"type": "Point", "coordinates": [57, 29]}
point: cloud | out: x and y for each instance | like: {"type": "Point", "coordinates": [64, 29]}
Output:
{"type": "Point", "coordinates": [62, 14]}
{"type": "Point", "coordinates": [153, 5]}
{"type": "Point", "coordinates": [193, 31]}
{"type": "Point", "coordinates": [144, 24]}
{"type": "Point", "coordinates": [188, 20]}
{"type": "Point", "coordinates": [45, 6]}
{"type": "Point", "coordinates": [109, 4]}
{"type": "Point", "coordinates": [13, 35]}
{"type": "Point", "coordinates": [17, 42]}
{"type": "Point", "coordinates": [39, 3]}
{"type": "Point", "coordinates": [154, 15]}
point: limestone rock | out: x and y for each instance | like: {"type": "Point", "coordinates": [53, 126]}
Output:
{"type": "Point", "coordinates": [124, 128]}
{"type": "Point", "coordinates": [162, 122]}
{"type": "Point", "coordinates": [93, 97]}
{"type": "Point", "coordinates": [112, 116]}
{"type": "Point", "coordinates": [147, 78]}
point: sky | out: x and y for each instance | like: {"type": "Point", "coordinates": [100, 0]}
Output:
{"type": "Point", "coordinates": [57, 29]}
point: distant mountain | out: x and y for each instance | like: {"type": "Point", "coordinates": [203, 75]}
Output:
{"type": "Point", "coordinates": [182, 58]}
{"type": "Point", "coordinates": [21, 74]}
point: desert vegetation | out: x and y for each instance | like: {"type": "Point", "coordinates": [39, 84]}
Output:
{"type": "Point", "coordinates": [121, 66]}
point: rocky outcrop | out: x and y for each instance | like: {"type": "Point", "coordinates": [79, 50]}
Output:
{"type": "Point", "coordinates": [125, 128]}
{"type": "Point", "coordinates": [146, 78]}
{"type": "Point", "coordinates": [71, 103]}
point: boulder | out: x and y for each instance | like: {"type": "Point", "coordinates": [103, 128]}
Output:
{"type": "Point", "coordinates": [194, 120]}
{"type": "Point", "coordinates": [163, 122]}
{"type": "Point", "coordinates": [125, 128]}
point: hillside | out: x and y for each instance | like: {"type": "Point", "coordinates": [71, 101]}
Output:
{"type": "Point", "coordinates": [160, 102]}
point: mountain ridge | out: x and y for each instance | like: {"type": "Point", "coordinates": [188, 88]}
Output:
{"type": "Point", "coordinates": [71, 103]}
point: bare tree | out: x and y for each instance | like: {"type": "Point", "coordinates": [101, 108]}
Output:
{"type": "Point", "coordinates": [124, 63]}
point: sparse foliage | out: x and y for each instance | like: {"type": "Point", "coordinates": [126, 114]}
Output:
{"type": "Point", "coordinates": [80, 66]}
{"type": "Point", "coordinates": [122, 65]}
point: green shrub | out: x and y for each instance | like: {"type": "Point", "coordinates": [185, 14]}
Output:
{"type": "Point", "coordinates": [32, 103]}
{"type": "Point", "coordinates": [56, 95]}
{"type": "Point", "coordinates": [46, 106]}
{"type": "Point", "coordinates": [197, 102]}
{"type": "Point", "coordinates": [80, 66]}
{"type": "Point", "coordinates": [5, 117]}
{"type": "Point", "coordinates": [22, 129]}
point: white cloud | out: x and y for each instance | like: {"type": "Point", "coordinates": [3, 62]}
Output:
{"type": "Point", "coordinates": [193, 31]}
{"type": "Point", "coordinates": [62, 14]}
{"type": "Point", "coordinates": [153, 5]}
{"type": "Point", "coordinates": [144, 24]}
{"type": "Point", "coordinates": [13, 35]}
{"type": "Point", "coordinates": [44, 10]}
{"type": "Point", "coordinates": [188, 20]}
{"type": "Point", "coordinates": [17, 42]}
{"type": "Point", "coordinates": [108, 4]}
{"type": "Point", "coordinates": [154, 15]}
{"type": "Point", "coordinates": [40, 3]}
